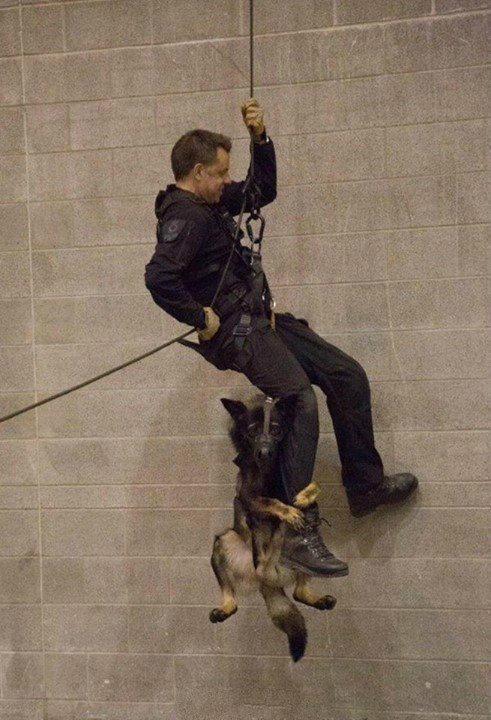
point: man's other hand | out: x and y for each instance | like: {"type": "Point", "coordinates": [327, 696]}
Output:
{"type": "Point", "coordinates": [253, 115]}
{"type": "Point", "coordinates": [212, 324]}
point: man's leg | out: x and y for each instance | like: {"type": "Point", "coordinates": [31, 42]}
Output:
{"type": "Point", "coordinates": [347, 389]}
{"type": "Point", "coordinates": [270, 366]}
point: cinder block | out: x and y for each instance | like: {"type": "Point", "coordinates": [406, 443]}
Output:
{"type": "Point", "coordinates": [132, 678]}
{"type": "Point", "coordinates": [15, 234]}
{"type": "Point", "coordinates": [190, 21]}
{"type": "Point", "coordinates": [449, 6]}
{"type": "Point", "coordinates": [442, 354]}
{"type": "Point", "coordinates": [66, 676]}
{"type": "Point", "coordinates": [473, 198]}
{"type": "Point", "coordinates": [17, 462]}
{"type": "Point", "coordinates": [42, 29]}
{"type": "Point", "coordinates": [438, 148]}
{"type": "Point", "coordinates": [22, 426]}
{"type": "Point", "coordinates": [326, 259]}
{"type": "Point", "coordinates": [435, 43]}
{"type": "Point", "coordinates": [132, 72]}
{"type": "Point", "coordinates": [133, 461]}
{"type": "Point", "coordinates": [474, 255]}
{"type": "Point", "coordinates": [139, 170]}
{"type": "Point", "coordinates": [48, 128]}
{"type": "Point", "coordinates": [72, 175]}
{"type": "Point", "coordinates": [412, 634]}
{"type": "Point", "coordinates": [161, 629]}
{"type": "Point", "coordinates": [202, 66]}
{"type": "Point", "coordinates": [87, 628]}
{"type": "Point", "coordinates": [22, 675]}
{"type": "Point", "coordinates": [257, 680]}
{"type": "Point", "coordinates": [437, 303]}
{"type": "Point", "coordinates": [357, 11]}
{"type": "Point", "coordinates": [18, 533]}
{"type": "Point", "coordinates": [83, 532]}
{"type": "Point", "coordinates": [20, 628]}
{"type": "Point", "coordinates": [19, 580]}
{"type": "Point", "coordinates": [11, 130]}
{"type": "Point", "coordinates": [110, 24]}
{"type": "Point", "coordinates": [10, 32]}
{"type": "Point", "coordinates": [444, 456]}
{"type": "Point", "coordinates": [414, 685]}
{"type": "Point", "coordinates": [323, 158]}
{"type": "Point", "coordinates": [429, 404]}
{"type": "Point", "coordinates": [92, 222]}
{"type": "Point", "coordinates": [13, 185]}
{"type": "Point", "coordinates": [272, 17]}
{"type": "Point", "coordinates": [11, 87]}
{"type": "Point", "coordinates": [15, 321]}
{"type": "Point", "coordinates": [71, 77]}
{"type": "Point", "coordinates": [57, 272]}
{"type": "Point", "coordinates": [18, 498]}
{"type": "Point", "coordinates": [173, 532]}
{"type": "Point", "coordinates": [17, 368]}
{"type": "Point", "coordinates": [14, 275]}
{"type": "Point", "coordinates": [423, 253]}
{"type": "Point", "coordinates": [90, 320]}
{"type": "Point", "coordinates": [112, 123]}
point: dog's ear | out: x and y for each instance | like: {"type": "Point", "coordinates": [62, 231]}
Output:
{"type": "Point", "coordinates": [236, 408]}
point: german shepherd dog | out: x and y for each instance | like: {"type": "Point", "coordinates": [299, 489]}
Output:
{"type": "Point", "coordinates": [245, 558]}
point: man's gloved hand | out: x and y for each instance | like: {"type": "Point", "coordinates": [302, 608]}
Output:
{"type": "Point", "coordinates": [212, 324]}
{"type": "Point", "coordinates": [253, 115]}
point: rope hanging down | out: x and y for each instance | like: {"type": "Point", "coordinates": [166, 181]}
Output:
{"type": "Point", "coordinates": [247, 191]}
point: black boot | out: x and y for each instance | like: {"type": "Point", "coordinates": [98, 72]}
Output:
{"type": "Point", "coordinates": [393, 489]}
{"type": "Point", "coordinates": [304, 549]}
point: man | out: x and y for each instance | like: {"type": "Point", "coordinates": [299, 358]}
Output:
{"type": "Point", "coordinates": [195, 233]}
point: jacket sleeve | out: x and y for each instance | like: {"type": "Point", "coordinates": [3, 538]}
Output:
{"type": "Point", "coordinates": [264, 177]}
{"type": "Point", "coordinates": [179, 241]}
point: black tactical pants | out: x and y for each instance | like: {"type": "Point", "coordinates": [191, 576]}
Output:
{"type": "Point", "coordinates": [286, 362]}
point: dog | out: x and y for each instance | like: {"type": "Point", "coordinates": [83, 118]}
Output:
{"type": "Point", "coordinates": [245, 558]}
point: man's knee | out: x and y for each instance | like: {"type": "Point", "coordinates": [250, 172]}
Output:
{"type": "Point", "coordinates": [306, 409]}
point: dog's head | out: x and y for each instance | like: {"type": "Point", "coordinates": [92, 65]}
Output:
{"type": "Point", "coordinates": [258, 429]}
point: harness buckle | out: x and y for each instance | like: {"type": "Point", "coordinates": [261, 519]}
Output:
{"type": "Point", "coordinates": [243, 327]}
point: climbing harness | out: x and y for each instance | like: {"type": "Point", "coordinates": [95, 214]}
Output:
{"type": "Point", "coordinates": [250, 192]}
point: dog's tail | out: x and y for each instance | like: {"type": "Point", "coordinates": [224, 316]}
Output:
{"type": "Point", "coordinates": [287, 617]}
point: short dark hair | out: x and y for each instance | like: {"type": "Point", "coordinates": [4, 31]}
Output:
{"type": "Point", "coordinates": [196, 146]}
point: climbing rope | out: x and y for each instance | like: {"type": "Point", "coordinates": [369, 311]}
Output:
{"type": "Point", "coordinates": [247, 190]}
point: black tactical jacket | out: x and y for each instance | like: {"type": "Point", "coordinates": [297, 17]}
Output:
{"type": "Point", "coordinates": [194, 240]}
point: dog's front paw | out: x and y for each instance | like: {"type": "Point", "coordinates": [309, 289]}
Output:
{"type": "Point", "coordinates": [295, 518]}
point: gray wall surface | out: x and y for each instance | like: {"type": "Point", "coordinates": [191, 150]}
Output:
{"type": "Point", "coordinates": [110, 497]}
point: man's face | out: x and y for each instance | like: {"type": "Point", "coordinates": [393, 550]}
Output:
{"type": "Point", "coordinates": [210, 180]}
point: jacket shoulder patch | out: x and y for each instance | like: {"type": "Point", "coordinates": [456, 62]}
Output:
{"type": "Point", "coordinates": [169, 230]}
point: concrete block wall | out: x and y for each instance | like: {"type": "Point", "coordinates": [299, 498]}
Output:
{"type": "Point", "coordinates": [110, 496]}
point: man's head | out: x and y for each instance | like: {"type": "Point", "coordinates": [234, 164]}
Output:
{"type": "Point", "coordinates": [200, 162]}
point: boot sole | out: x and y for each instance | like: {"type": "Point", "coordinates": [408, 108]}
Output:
{"type": "Point", "coordinates": [311, 571]}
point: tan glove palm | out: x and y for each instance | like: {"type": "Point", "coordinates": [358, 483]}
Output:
{"type": "Point", "coordinates": [212, 324]}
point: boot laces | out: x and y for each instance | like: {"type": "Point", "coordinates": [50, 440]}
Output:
{"type": "Point", "coordinates": [314, 539]}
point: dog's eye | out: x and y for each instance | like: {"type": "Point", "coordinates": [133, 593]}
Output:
{"type": "Point", "coordinates": [251, 428]}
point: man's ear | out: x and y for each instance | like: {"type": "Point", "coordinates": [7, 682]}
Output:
{"type": "Point", "coordinates": [236, 408]}
{"type": "Point", "coordinates": [198, 171]}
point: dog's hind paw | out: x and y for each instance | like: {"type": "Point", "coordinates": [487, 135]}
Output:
{"type": "Point", "coordinates": [219, 615]}
{"type": "Point", "coordinates": [326, 602]}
